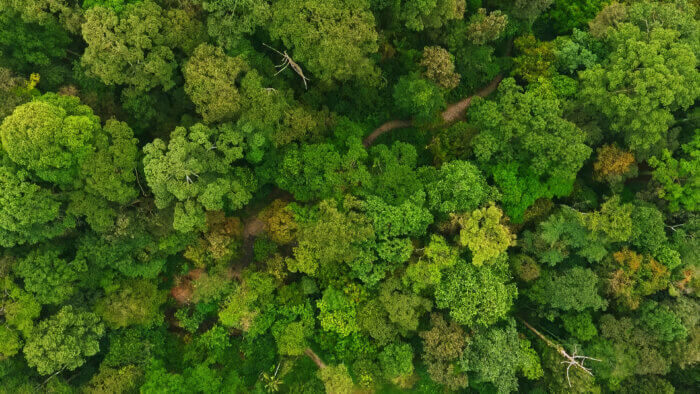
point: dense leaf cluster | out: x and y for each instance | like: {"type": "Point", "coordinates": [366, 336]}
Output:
{"type": "Point", "coordinates": [199, 196]}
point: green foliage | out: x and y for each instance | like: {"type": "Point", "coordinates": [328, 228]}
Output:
{"type": "Point", "coordinates": [334, 237]}
{"type": "Point", "coordinates": [30, 47]}
{"type": "Point", "coordinates": [476, 295]}
{"type": "Point", "coordinates": [51, 136]}
{"type": "Point", "coordinates": [333, 39]}
{"type": "Point", "coordinates": [443, 345]}
{"type": "Point", "coordinates": [210, 81]}
{"type": "Point", "coordinates": [565, 15]}
{"type": "Point", "coordinates": [136, 302]}
{"type": "Point", "coordinates": [438, 67]}
{"type": "Point", "coordinates": [195, 172]}
{"type": "Point", "coordinates": [63, 341]}
{"type": "Point", "coordinates": [456, 186]}
{"type": "Point", "coordinates": [228, 20]}
{"type": "Point", "coordinates": [396, 360]}
{"type": "Point", "coordinates": [336, 379]}
{"type": "Point", "coordinates": [337, 312]}
{"type": "Point", "coordinates": [418, 98]}
{"type": "Point", "coordinates": [647, 76]}
{"type": "Point", "coordinates": [211, 196]}
{"type": "Point", "coordinates": [316, 171]}
{"type": "Point", "coordinates": [679, 177]}
{"type": "Point", "coordinates": [47, 275]}
{"type": "Point", "coordinates": [580, 325]}
{"type": "Point", "coordinates": [496, 355]}
{"type": "Point", "coordinates": [116, 5]}
{"type": "Point", "coordinates": [136, 46]}
{"type": "Point", "coordinates": [537, 150]}
{"type": "Point", "coordinates": [28, 213]}
{"type": "Point", "coordinates": [574, 289]}
{"type": "Point", "coordinates": [484, 234]}
{"type": "Point", "coordinates": [422, 14]}
{"type": "Point", "coordinates": [484, 28]}
{"type": "Point", "coordinates": [427, 271]}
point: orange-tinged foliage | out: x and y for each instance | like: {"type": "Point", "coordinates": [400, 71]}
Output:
{"type": "Point", "coordinates": [612, 161]}
{"type": "Point", "coordinates": [636, 277]}
{"type": "Point", "coordinates": [216, 244]}
{"type": "Point", "coordinates": [280, 223]}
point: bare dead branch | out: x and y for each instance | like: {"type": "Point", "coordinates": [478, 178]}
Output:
{"type": "Point", "coordinates": [574, 359]}
{"type": "Point", "coordinates": [287, 61]}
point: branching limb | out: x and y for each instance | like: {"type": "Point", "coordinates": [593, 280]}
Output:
{"type": "Point", "coordinates": [287, 61]}
{"type": "Point", "coordinates": [572, 360]}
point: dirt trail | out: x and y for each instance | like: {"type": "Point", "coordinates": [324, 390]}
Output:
{"type": "Point", "coordinates": [315, 358]}
{"type": "Point", "coordinates": [454, 112]}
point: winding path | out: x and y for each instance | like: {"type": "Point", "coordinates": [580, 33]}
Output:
{"type": "Point", "coordinates": [454, 112]}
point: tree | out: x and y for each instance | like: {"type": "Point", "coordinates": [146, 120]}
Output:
{"type": "Point", "coordinates": [565, 15]}
{"type": "Point", "coordinates": [536, 60]}
{"type": "Point", "coordinates": [51, 136]}
{"type": "Point", "coordinates": [60, 141]}
{"type": "Point", "coordinates": [613, 220]}
{"type": "Point", "coordinates": [115, 380]}
{"type": "Point", "coordinates": [28, 212]}
{"type": "Point", "coordinates": [661, 321]}
{"type": "Point", "coordinates": [633, 276]}
{"type": "Point", "coordinates": [336, 379]}
{"type": "Point", "coordinates": [456, 186]}
{"type": "Point", "coordinates": [318, 171]}
{"type": "Point", "coordinates": [550, 150]}
{"type": "Point", "coordinates": [564, 235]}
{"type": "Point", "coordinates": [373, 319]}
{"type": "Point", "coordinates": [132, 303]}
{"type": "Point", "coordinates": [419, 15]}
{"type": "Point", "coordinates": [419, 99]}
{"type": "Point", "coordinates": [580, 325]}
{"type": "Point", "coordinates": [574, 289]}
{"type": "Point", "coordinates": [392, 171]}
{"type": "Point", "coordinates": [627, 350]}
{"type": "Point", "coordinates": [198, 170]}
{"type": "Point", "coordinates": [332, 238]}
{"type": "Point", "coordinates": [647, 76]}
{"type": "Point", "coordinates": [443, 345]}
{"type": "Point", "coordinates": [483, 233]}
{"type": "Point", "coordinates": [63, 341]}
{"type": "Point", "coordinates": [48, 275]}
{"type": "Point", "coordinates": [333, 39]}
{"type": "Point", "coordinates": [439, 68]}
{"type": "Point", "coordinates": [44, 12]}
{"type": "Point", "coordinates": [279, 222]}
{"type": "Point", "coordinates": [30, 47]}
{"type": "Point", "coordinates": [614, 165]}
{"type": "Point", "coordinates": [110, 172]}
{"type": "Point", "coordinates": [496, 354]}
{"type": "Point", "coordinates": [476, 296]}
{"type": "Point", "coordinates": [211, 80]}
{"type": "Point", "coordinates": [136, 46]}
{"type": "Point", "coordinates": [292, 341]}
{"type": "Point", "coordinates": [427, 271]}
{"type": "Point", "coordinates": [337, 312]}
{"type": "Point", "coordinates": [486, 27]}
{"type": "Point", "coordinates": [403, 309]}
{"type": "Point", "coordinates": [396, 360]}
{"type": "Point", "coordinates": [608, 17]}
{"type": "Point", "coordinates": [679, 177]}
{"type": "Point", "coordinates": [227, 21]}
{"type": "Point", "coordinates": [408, 219]}
{"type": "Point", "coordinates": [19, 307]}
{"type": "Point", "coordinates": [116, 5]}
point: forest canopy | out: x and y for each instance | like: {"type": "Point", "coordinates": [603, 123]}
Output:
{"type": "Point", "coordinates": [349, 196]}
